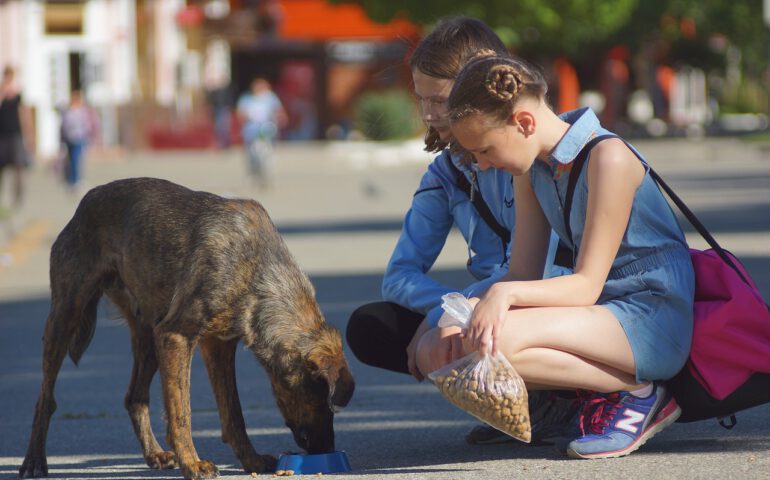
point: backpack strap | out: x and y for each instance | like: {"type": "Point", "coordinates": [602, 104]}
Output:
{"type": "Point", "coordinates": [574, 173]}
{"type": "Point", "coordinates": [481, 207]}
{"type": "Point", "coordinates": [689, 215]}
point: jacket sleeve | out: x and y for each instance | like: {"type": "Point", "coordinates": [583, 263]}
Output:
{"type": "Point", "coordinates": [423, 235]}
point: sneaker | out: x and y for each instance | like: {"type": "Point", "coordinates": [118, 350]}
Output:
{"type": "Point", "coordinates": [622, 423]}
{"type": "Point", "coordinates": [550, 414]}
{"type": "Point", "coordinates": [585, 403]}
{"type": "Point", "coordinates": [486, 435]}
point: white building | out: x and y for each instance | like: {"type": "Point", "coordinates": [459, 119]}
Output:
{"type": "Point", "coordinates": [89, 45]}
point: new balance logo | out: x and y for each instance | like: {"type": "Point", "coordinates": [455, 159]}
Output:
{"type": "Point", "coordinates": [630, 421]}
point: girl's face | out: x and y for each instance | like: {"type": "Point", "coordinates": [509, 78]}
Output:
{"type": "Point", "coordinates": [432, 93]}
{"type": "Point", "coordinates": [500, 146]}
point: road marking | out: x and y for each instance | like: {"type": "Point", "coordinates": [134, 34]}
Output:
{"type": "Point", "coordinates": [23, 244]}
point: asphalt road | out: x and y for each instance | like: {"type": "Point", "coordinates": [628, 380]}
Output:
{"type": "Point", "coordinates": [339, 208]}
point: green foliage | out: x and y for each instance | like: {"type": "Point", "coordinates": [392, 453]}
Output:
{"type": "Point", "coordinates": [745, 97]}
{"type": "Point", "coordinates": [542, 27]}
{"type": "Point", "coordinates": [580, 29]}
{"type": "Point", "coordinates": [385, 115]}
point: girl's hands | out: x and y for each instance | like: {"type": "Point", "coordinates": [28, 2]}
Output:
{"type": "Point", "coordinates": [488, 316]}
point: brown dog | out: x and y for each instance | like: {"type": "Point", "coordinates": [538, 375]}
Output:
{"type": "Point", "coordinates": [190, 268]}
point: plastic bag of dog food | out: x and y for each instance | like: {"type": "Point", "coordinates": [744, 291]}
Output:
{"type": "Point", "coordinates": [485, 386]}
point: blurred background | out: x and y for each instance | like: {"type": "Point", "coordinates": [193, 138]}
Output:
{"type": "Point", "coordinates": [157, 72]}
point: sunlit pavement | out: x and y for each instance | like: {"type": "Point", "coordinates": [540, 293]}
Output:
{"type": "Point", "coordinates": [339, 207]}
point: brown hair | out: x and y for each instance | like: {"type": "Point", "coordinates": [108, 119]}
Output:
{"type": "Point", "coordinates": [444, 51]}
{"type": "Point", "coordinates": [492, 86]}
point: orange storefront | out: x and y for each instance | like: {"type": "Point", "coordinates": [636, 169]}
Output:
{"type": "Point", "coordinates": [320, 58]}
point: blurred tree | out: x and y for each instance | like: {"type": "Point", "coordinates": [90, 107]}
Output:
{"type": "Point", "coordinates": [532, 27]}
{"type": "Point", "coordinates": [577, 28]}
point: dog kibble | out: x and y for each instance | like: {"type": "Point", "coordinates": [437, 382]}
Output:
{"type": "Point", "coordinates": [489, 399]}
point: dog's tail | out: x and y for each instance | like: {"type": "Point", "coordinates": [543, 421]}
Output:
{"type": "Point", "coordinates": [84, 329]}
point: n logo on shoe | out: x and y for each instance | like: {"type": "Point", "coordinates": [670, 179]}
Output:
{"type": "Point", "coordinates": [631, 420]}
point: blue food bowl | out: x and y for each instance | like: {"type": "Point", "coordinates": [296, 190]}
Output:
{"type": "Point", "coordinates": [334, 462]}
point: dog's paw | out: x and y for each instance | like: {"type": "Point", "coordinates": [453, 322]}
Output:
{"type": "Point", "coordinates": [33, 468]}
{"type": "Point", "coordinates": [260, 464]}
{"type": "Point", "coordinates": [200, 470]}
{"type": "Point", "coordinates": [161, 460]}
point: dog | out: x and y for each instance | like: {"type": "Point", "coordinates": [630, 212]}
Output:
{"type": "Point", "coordinates": [186, 269]}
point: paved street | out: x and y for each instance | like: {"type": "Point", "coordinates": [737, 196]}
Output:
{"type": "Point", "coordinates": [339, 207]}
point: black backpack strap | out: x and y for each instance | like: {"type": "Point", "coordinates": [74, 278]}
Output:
{"type": "Point", "coordinates": [481, 206]}
{"type": "Point", "coordinates": [574, 174]}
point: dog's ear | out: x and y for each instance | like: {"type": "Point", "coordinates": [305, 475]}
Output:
{"type": "Point", "coordinates": [327, 362]}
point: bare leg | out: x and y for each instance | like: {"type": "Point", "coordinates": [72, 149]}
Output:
{"type": "Point", "coordinates": [555, 348]}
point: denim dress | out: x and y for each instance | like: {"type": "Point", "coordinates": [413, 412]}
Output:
{"type": "Point", "coordinates": [650, 286]}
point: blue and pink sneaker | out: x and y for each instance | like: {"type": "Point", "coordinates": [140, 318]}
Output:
{"type": "Point", "coordinates": [620, 423]}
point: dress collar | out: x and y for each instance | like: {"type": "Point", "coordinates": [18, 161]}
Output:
{"type": "Point", "coordinates": [583, 126]}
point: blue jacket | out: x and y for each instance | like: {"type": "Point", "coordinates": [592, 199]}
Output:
{"type": "Point", "coordinates": [437, 205]}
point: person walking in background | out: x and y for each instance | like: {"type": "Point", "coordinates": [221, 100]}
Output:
{"type": "Point", "coordinates": [78, 128]}
{"type": "Point", "coordinates": [14, 136]}
{"type": "Point", "coordinates": [262, 115]}
{"type": "Point", "coordinates": [219, 98]}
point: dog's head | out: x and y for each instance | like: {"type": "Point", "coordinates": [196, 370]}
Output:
{"type": "Point", "coordinates": [316, 386]}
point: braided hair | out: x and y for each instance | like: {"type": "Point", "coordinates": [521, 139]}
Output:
{"type": "Point", "coordinates": [492, 86]}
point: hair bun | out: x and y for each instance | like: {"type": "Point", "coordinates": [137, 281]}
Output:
{"type": "Point", "coordinates": [503, 82]}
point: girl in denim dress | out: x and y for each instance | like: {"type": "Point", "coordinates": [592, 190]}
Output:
{"type": "Point", "coordinates": [622, 322]}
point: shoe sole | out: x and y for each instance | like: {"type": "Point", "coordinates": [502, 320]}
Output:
{"type": "Point", "coordinates": [656, 427]}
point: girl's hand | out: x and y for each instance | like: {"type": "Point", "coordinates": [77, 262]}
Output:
{"type": "Point", "coordinates": [488, 316]}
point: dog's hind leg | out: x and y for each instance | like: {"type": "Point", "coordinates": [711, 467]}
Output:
{"type": "Point", "coordinates": [175, 352]}
{"type": "Point", "coordinates": [137, 401]}
{"type": "Point", "coordinates": [219, 357]}
{"type": "Point", "coordinates": [69, 327]}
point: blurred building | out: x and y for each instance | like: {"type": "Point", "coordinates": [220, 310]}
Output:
{"type": "Point", "coordinates": [145, 64]}
{"type": "Point", "coordinates": [60, 46]}
{"type": "Point", "coordinates": [320, 57]}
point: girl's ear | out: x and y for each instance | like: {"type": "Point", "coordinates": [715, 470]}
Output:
{"type": "Point", "coordinates": [525, 121]}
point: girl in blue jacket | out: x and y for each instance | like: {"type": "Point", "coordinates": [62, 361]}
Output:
{"type": "Point", "coordinates": [385, 334]}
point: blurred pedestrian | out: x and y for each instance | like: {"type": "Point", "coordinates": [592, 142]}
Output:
{"type": "Point", "coordinates": [615, 86]}
{"type": "Point", "coordinates": [14, 135]}
{"type": "Point", "coordinates": [262, 115]}
{"type": "Point", "coordinates": [78, 129]}
{"type": "Point", "coordinates": [219, 98]}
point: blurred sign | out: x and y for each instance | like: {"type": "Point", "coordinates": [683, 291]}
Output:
{"type": "Point", "coordinates": [362, 52]}
{"type": "Point", "coordinates": [63, 18]}
{"type": "Point", "coordinates": [189, 16]}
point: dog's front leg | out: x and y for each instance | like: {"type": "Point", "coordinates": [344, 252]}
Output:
{"type": "Point", "coordinates": [175, 353]}
{"type": "Point", "coordinates": [219, 357]}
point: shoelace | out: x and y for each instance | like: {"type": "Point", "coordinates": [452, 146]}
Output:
{"type": "Point", "coordinates": [606, 408]}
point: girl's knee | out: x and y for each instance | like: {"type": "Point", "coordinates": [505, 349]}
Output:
{"type": "Point", "coordinates": [426, 351]}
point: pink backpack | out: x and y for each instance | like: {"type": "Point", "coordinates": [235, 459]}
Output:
{"type": "Point", "coordinates": [729, 365]}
